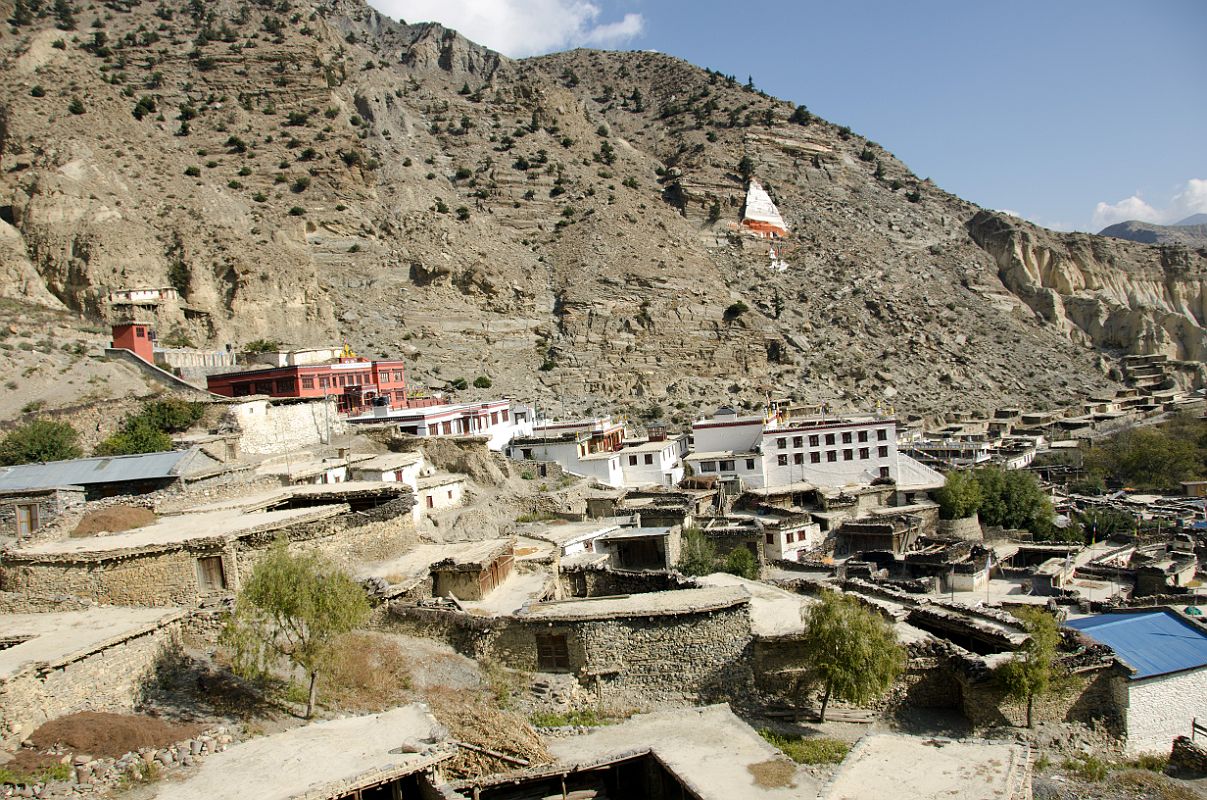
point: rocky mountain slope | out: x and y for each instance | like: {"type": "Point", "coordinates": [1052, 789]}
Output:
{"type": "Point", "coordinates": [566, 225]}
{"type": "Point", "coordinates": [1191, 232]}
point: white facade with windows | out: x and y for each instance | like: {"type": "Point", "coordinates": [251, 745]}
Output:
{"type": "Point", "coordinates": [656, 463]}
{"type": "Point", "coordinates": [824, 451]}
{"type": "Point", "coordinates": [499, 421]}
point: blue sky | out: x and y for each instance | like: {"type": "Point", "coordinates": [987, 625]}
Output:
{"type": "Point", "coordinates": [1072, 113]}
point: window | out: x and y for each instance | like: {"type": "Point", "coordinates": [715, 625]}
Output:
{"type": "Point", "coordinates": [863, 436]}
{"type": "Point", "coordinates": [27, 519]}
{"type": "Point", "coordinates": [848, 454]}
{"type": "Point", "coordinates": [446, 427]}
{"type": "Point", "coordinates": [831, 456]}
{"type": "Point", "coordinates": [814, 440]}
{"type": "Point", "coordinates": [798, 458]}
{"type": "Point", "coordinates": [397, 377]}
{"type": "Point", "coordinates": [307, 383]}
{"type": "Point", "coordinates": [882, 434]}
{"type": "Point", "coordinates": [782, 459]}
{"type": "Point", "coordinates": [846, 437]}
{"type": "Point", "coordinates": [882, 452]}
{"type": "Point", "coordinates": [815, 458]}
{"type": "Point", "coordinates": [649, 458]}
{"type": "Point", "coordinates": [769, 538]}
{"type": "Point", "coordinates": [863, 454]}
{"type": "Point", "coordinates": [750, 464]}
{"type": "Point", "coordinates": [708, 466]}
{"type": "Point", "coordinates": [210, 574]}
{"type": "Point", "coordinates": [431, 501]}
{"type": "Point", "coordinates": [632, 461]}
{"type": "Point", "coordinates": [798, 441]}
{"type": "Point", "coordinates": [324, 381]}
{"type": "Point", "coordinates": [504, 412]}
{"type": "Point", "coordinates": [884, 472]}
{"type": "Point", "coordinates": [494, 418]}
{"type": "Point", "coordinates": [450, 494]}
{"type": "Point", "coordinates": [551, 651]}
{"type": "Point", "coordinates": [790, 538]}
{"type": "Point", "coordinates": [727, 466]}
{"type": "Point", "coordinates": [141, 333]}
{"type": "Point", "coordinates": [781, 443]}
{"type": "Point", "coordinates": [829, 438]}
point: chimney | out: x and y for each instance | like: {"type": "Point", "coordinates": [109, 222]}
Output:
{"type": "Point", "coordinates": [343, 453]}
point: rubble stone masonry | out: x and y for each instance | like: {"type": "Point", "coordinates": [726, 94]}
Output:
{"type": "Point", "coordinates": [109, 679]}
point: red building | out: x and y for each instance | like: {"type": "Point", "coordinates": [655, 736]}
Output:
{"type": "Point", "coordinates": [356, 383]}
{"type": "Point", "coordinates": [135, 337]}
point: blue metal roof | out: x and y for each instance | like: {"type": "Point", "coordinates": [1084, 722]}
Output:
{"type": "Point", "coordinates": [1153, 643]}
{"type": "Point", "coordinates": [85, 471]}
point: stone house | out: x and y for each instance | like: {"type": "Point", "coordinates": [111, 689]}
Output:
{"type": "Point", "coordinates": [635, 651]}
{"type": "Point", "coordinates": [110, 476]}
{"type": "Point", "coordinates": [474, 574]}
{"type": "Point", "coordinates": [24, 511]}
{"type": "Point", "coordinates": [198, 558]}
{"type": "Point", "coordinates": [90, 660]}
{"type": "Point", "coordinates": [1165, 656]}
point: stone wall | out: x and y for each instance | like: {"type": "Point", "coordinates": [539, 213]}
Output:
{"type": "Point", "coordinates": [50, 505]}
{"type": "Point", "coordinates": [170, 576]}
{"type": "Point", "coordinates": [1188, 758]}
{"type": "Point", "coordinates": [268, 427]}
{"type": "Point", "coordinates": [967, 529]}
{"type": "Point", "coordinates": [633, 663]}
{"type": "Point", "coordinates": [604, 581]}
{"type": "Point", "coordinates": [110, 679]}
{"type": "Point", "coordinates": [1092, 698]}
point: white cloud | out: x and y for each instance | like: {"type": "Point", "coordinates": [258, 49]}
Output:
{"type": "Point", "coordinates": [1190, 199]}
{"type": "Point", "coordinates": [520, 27]}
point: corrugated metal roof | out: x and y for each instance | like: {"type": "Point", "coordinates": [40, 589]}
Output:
{"type": "Point", "coordinates": [85, 471]}
{"type": "Point", "coordinates": [1154, 643]}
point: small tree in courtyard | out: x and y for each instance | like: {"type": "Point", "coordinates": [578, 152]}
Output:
{"type": "Point", "coordinates": [849, 650]}
{"type": "Point", "coordinates": [697, 554]}
{"type": "Point", "coordinates": [292, 608]}
{"type": "Point", "coordinates": [40, 440]}
{"type": "Point", "coordinates": [1035, 670]}
{"type": "Point", "coordinates": [960, 496]}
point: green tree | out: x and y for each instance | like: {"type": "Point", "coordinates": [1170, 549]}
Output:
{"type": "Point", "coordinates": [40, 440]}
{"type": "Point", "coordinates": [291, 610]}
{"type": "Point", "coordinates": [851, 651]}
{"type": "Point", "coordinates": [741, 562]}
{"type": "Point", "coordinates": [1013, 499]}
{"type": "Point", "coordinates": [960, 496]}
{"type": "Point", "coordinates": [1035, 670]}
{"type": "Point", "coordinates": [483, 382]}
{"type": "Point", "coordinates": [697, 554]}
{"type": "Point", "coordinates": [1147, 458]}
{"type": "Point", "coordinates": [136, 436]}
{"type": "Point", "coordinates": [746, 167]}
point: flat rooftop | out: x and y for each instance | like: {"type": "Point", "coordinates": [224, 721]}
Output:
{"type": "Point", "coordinates": [319, 761]}
{"type": "Point", "coordinates": [564, 533]}
{"type": "Point", "coordinates": [390, 461]}
{"type": "Point", "coordinates": [925, 768]}
{"type": "Point", "coordinates": [271, 497]}
{"type": "Point", "coordinates": [647, 604]}
{"type": "Point", "coordinates": [773, 611]}
{"type": "Point", "coordinates": [418, 561]}
{"type": "Point", "coordinates": [53, 640]}
{"type": "Point", "coordinates": [710, 750]}
{"type": "Point", "coordinates": [170, 532]}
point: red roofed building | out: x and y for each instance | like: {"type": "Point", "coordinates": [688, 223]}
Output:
{"type": "Point", "coordinates": [357, 383]}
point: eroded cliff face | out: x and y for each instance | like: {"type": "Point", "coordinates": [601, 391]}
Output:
{"type": "Point", "coordinates": [1138, 299]}
{"type": "Point", "coordinates": [565, 225]}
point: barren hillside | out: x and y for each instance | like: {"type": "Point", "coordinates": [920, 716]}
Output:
{"type": "Point", "coordinates": [310, 171]}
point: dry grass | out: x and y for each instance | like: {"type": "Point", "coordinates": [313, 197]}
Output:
{"type": "Point", "coordinates": [774, 774]}
{"type": "Point", "coordinates": [367, 672]}
{"type": "Point", "coordinates": [1153, 784]}
{"type": "Point", "coordinates": [476, 718]}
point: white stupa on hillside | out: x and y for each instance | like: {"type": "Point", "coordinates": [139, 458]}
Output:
{"type": "Point", "coordinates": [760, 216]}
